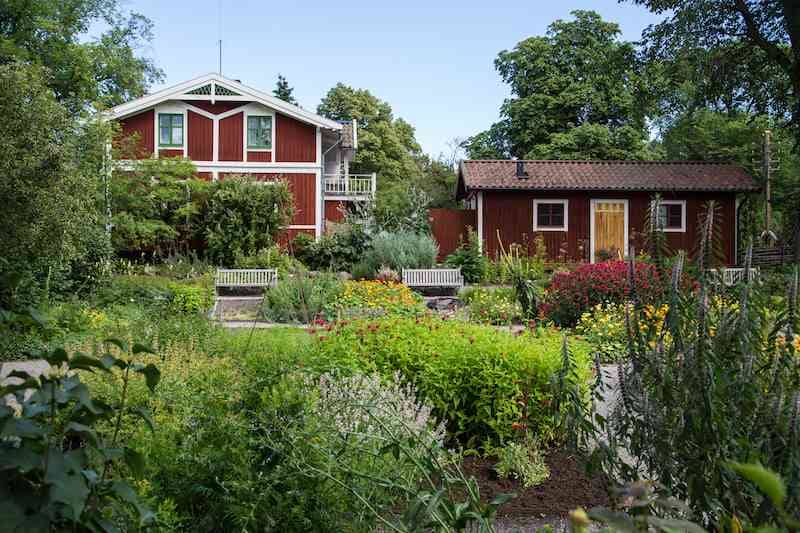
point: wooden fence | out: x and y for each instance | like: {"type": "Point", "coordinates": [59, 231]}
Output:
{"type": "Point", "coordinates": [773, 255]}
{"type": "Point", "coordinates": [448, 225]}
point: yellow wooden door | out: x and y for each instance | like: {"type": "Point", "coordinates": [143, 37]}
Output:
{"type": "Point", "coordinates": [609, 230]}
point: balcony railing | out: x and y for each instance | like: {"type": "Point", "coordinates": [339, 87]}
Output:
{"type": "Point", "coordinates": [350, 185]}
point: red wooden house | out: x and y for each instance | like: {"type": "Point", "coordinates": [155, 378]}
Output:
{"type": "Point", "coordinates": [594, 210]}
{"type": "Point", "coordinates": [227, 128]}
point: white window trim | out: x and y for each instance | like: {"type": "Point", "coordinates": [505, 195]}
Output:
{"type": "Point", "coordinates": [271, 117]}
{"type": "Point", "coordinates": [681, 203]}
{"type": "Point", "coordinates": [536, 226]}
{"type": "Point", "coordinates": [251, 110]}
{"type": "Point", "coordinates": [170, 109]}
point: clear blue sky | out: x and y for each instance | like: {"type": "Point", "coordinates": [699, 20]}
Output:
{"type": "Point", "coordinates": [431, 60]}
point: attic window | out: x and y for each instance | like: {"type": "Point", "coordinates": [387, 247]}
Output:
{"type": "Point", "coordinates": [204, 90]}
{"type": "Point", "coordinates": [259, 132]}
{"type": "Point", "coordinates": [224, 91]}
{"type": "Point", "coordinates": [170, 130]}
{"type": "Point", "coordinates": [550, 215]}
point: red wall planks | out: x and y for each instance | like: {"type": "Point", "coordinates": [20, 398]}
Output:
{"type": "Point", "coordinates": [143, 127]}
{"type": "Point", "coordinates": [260, 157]}
{"type": "Point", "coordinates": [231, 138]}
{"type": "Point", "coordinates": [449, 225]}
{"type": "Point", "coordinates": [511, 213]}
{"type": "Point", "coordinates": [333, 210]}
{"type": "Point", "coordinates": [200, 140]}
{"type": "Point", "coordinates": [205, 176]}
{"type": "Point", "coordinates": [295, 141]}
{"type": "Point", "coordinates": [170, 153]}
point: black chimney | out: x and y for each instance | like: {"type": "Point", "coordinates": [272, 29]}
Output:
{"type": "Point", "coordinates": [521, 174]}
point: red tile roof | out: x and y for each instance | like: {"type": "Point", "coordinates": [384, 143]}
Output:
{"type": "Point", "coordinates": [654, 176]}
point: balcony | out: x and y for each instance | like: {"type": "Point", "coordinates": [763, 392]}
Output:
{"type": "Point", "coordinates": [350, 186]}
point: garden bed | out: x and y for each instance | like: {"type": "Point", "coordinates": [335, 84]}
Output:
{"type": "Point", "coordinates": [567, 488]}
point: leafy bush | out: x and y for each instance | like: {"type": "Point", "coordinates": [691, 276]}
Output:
{"type": "Point", "coordinates": [244, 216]}
{"type": "Point", "coordinates": [570, 294]}
{"type": "Point", "coordinates": [522, 461]}
{"type": "Point", "coordinates": [469, 258]}
{"type": "Point", "coordinates": [473, 376]}
{"type": "Point", "coordinates": [61, 471]}
{"type": "Point", "coordinates": [190, 299]}
{"type": "Point", "coordinates": [158, 206]}
{"type": "Point", "coordinates": [375, 298]}
{"type": "Point", "coordinates": [337, 251]}
{"type": "Point", "coordinates": [301, 298]}
{"type": "Point", "coordinates": [142, 290]}
{"type": "Point", "coordinates": [401, 250]}
{"type": "Point", "coordinates": [271, 257]}
{"type": "Point", "coordinates": [492, 306]}
{"type": "Point", "coordinates": [246, 442]}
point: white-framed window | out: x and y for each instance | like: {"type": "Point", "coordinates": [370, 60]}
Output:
{"type": "Point", "coordinates": [170, 130]}
{"type": "Point", "coordinates": [672, 215]}
{"type": "Point", "coordinates": [259, 132]}
{"type": "Point", "coordinates": [550, 215]}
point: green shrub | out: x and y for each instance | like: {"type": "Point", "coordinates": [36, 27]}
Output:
{"type": "Point", "coordinates": [523, 461]}
{"type": "Point", "coordinates": [469, 258]}
{"type": "Point", "coordinates": [401, 250]}
{"type": "Point", "coordinates": [190, 299]}
{"type": "Point", "coordinates": [492, 306]}
{"type": "Point", "coordinates": [301, 298]}
{"type": "Point", "coordinates": [61, 471]}
{"type": "Point", "coordinates": [336, 252]}
{"type": "Point", "coordinates": [145, 291]}
{"type": "Point", "coordinates": [473, 376]}
{"type": "Point", "coordinates": [271, 257]}
{"type": "Point", "coordinates": [244, 216]}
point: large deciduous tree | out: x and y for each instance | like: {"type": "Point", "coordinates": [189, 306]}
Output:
{"type": "Point", "coordinates": [81, 71]}
{"type": "Point", "coordinates": [730, 55]}
{"type": "Point", "coordinates": [578, 92]}
{"type": "Point", "coordinates": [386, 144]}
{"type": "Point", "coordinates": [51, 230]}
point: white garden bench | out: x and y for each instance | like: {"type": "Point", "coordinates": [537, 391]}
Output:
{"type": "Point", "coordinates": [732, 276]}
{"type": "Point", "coordinates": [433, 277]}
{"type": "Point", "coordinates": [247, 278]}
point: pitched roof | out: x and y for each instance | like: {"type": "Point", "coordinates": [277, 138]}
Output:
{"type": "Point", "coordinates": [224, 89]}
{"type": "Point", "coordinates": [604, 175]}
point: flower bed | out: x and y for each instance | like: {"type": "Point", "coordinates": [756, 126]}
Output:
{"type": "Point", "coordinates": [492, 306]}
{"type": "Point", "coordinates": [473, 376]}
{"type": "Point", "coordinates": [570, 294]}
{"type": "Point", "coordinates": [375, 298]}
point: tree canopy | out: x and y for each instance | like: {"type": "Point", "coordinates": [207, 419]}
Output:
{"type": "Point", "coordinates": [729, 55]}
{"type": "Point", "coordinates": [104, 71]}
{"type": "Point", "coordinates": [284, 91]}
{"type": "Point", "coordinates": [576, 92]}
{"type": "Point", "coordinates": [386, 144]}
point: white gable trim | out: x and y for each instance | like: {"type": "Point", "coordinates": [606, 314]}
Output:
{"type": "Point", "coordinates": [178, 92]}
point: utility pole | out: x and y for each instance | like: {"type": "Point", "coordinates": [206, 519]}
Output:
{"type": "Point", "coordinates": [766, 169]}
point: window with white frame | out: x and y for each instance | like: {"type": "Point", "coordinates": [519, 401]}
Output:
{"type": "Point", "coordinates": [550, 215]}
{"type": "Point", "coordinates": [672, 215]}
{"type": "Point", "coordinates": [170, 130]}
{"type": "Point", "coordinates": [259, 132]}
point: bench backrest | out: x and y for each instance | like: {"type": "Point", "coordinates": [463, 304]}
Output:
{"type": "Point", "coordinates": [732, 276]}
{"type": "Point", "coordinates": [433, 277]}
{"type": "Point", "coordinates": [246, 277]}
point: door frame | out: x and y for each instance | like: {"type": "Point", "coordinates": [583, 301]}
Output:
{"type": "Point", "coordinates": [592, 203]}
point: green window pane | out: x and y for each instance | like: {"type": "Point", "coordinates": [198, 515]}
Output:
{"type": "Point", "coordinates": [259, 132]}
{"type": "Point", "coordinates": [170, 129]}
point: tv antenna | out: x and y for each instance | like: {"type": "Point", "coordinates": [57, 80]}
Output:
{"type": "Point", "coordinates": [219, 34]}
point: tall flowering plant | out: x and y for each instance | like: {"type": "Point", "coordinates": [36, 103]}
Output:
{"type": "Point", "coordinates": [570, 294]}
